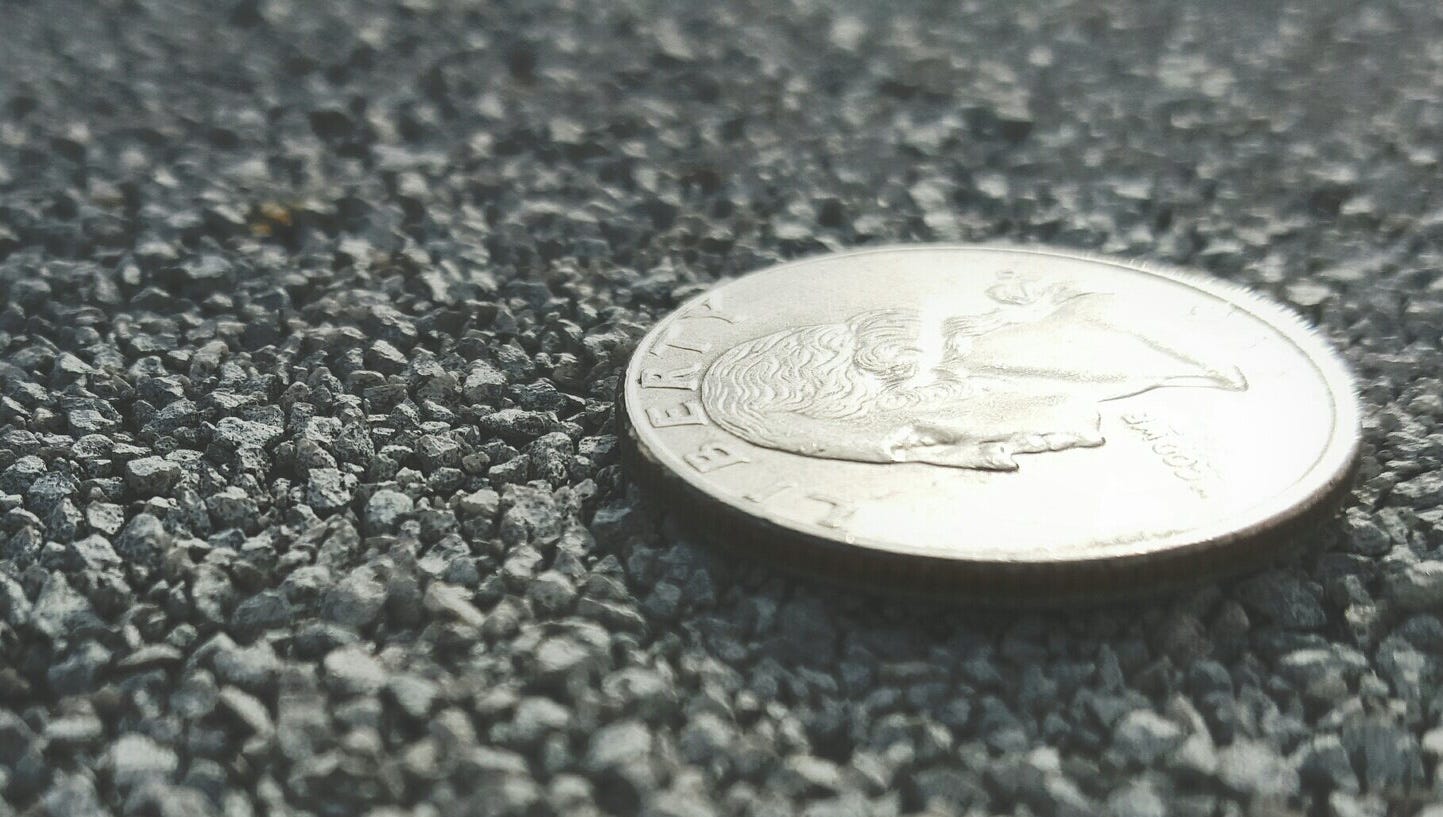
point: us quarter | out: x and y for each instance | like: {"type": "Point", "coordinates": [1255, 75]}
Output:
{"type": "Point", "coordinates": [992, 424]}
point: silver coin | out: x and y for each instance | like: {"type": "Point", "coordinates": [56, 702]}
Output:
{"type": "Point", "coordinates": [995, 424]}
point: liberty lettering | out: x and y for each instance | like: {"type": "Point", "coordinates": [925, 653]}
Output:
{"type": "Point", "coordinates": [689, 413]}
{"type": "Point", "coordinates": [712, 456]}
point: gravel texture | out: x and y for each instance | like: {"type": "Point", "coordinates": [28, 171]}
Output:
{"type": "Point", "coordinates": [311, 315]}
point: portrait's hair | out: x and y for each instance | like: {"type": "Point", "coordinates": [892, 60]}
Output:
{"type": "Point", "coordinates": [832, 371]}
{"type": "Point", "coordinates": [965, 391]}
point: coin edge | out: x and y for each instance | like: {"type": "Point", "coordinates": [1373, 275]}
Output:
{"type": "Point", "coordinates": [1331, 471]}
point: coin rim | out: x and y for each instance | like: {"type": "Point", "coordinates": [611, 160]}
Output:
{"type": "Point", "coordinates": [1326, 478]}
{"type": "Point", "coordinates": [1001, 585]}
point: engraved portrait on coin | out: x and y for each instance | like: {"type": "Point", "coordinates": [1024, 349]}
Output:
{"type": "Point", "coordinates": [994, 417]}
{"type": "Point", "coordinates": [968, 391]}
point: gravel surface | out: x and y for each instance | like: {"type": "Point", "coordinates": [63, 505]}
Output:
{"type": "Point", "coordinates": [311, 315]}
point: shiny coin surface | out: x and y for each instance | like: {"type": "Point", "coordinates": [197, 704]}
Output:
{"type": "Point", "coordinates": [994, 424]}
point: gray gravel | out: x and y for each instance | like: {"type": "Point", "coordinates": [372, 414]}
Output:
{"type": "Point", "coordinates": [310, 320]}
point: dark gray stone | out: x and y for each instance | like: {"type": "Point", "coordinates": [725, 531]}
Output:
{"type": "Point", "coordinates": [59, 611]}
{"type": "Point", "coordinates": [1139, 800]}
{"type": "Point", "coordinates": [79, 670]}
{"type": "Point", "coordinates": [233, 508]}
{"type": "Point", "coordinates": [1142, 736]}
{"type": "Point", "coordinates": [73, 794]}
{"type": "Point", "coordinates": [19, 475]}
{"type": "Point", "coordinates": [536, 717]}
{"type": "Point", "coordinates": [135, 759]}
{"type": "Point", "coordinates": [247, 710]}
{"type": "Point", "coordinates": [448, 602]}
{"type": "Point", "coordinates": [151, 476]}
{"type": "Point", "coordinates": [48, 491]}
{"type": "Point", "coordinates": [89, 421]}
{"type": "Point", "coordinates": [178, 415]}
{"type": "Point", "coordinates": [237, 433]}
{"type": "Point", "coordinates": [1386, 755]}
{"type": "Point", "coordinates": [264, 611]}
{"type": "Point", "coordinates": [93, 554]}
{"type": "Point", "coordinates": [706, 737]}
{"type": "Point", "coordinates": [617, 744]}
{"type": "Point", "coordinates": [1284, 600]}
{"type": "Point", "coordinates": [353, 671]}
{"type": "Point", "coordinates": [355, 601]}
{"type": "Point", "coordinates": [551, 593]}
{"type": "Point", "coordinates": [151, 656]}
{"type": "Point", "coordinates": [254, 668]}
{"type": "Point", "coordinates": [387, 509]}
{"type": "Point", "coordinates": [328, 490]}
{"type": "Point", "coordinates": [1422, 492]}
{"type": "Point", "coordinates": [414, 695]}
{"type": "Point", "coordinates": [1254, 769]}
{"type": "Point", "coordinates": [484, 384]}
{"type": "Point", "coordinates": [104, 517]}
{"type": "Point", "coordinates": [438, 451]}
{"type": "Point", "coordinates": [144, 541]}
{"type": "Point", "coordinates": [1324, 761]}
{"type": "Point", "coordinates": [1416, 585]}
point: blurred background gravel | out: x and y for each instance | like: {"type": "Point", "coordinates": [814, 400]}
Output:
{"type": "Point", "coordinates": [310, 319]}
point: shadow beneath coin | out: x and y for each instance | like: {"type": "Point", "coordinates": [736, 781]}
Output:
{"type": "Point", "coordinates": [859, 674]}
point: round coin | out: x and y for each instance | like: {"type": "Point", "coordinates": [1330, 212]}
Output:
{"type": "Point", "coordinates": [992, 424]}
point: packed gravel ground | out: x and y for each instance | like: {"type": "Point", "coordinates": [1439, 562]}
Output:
{"type": "Point", "coordinates": [311, 316]}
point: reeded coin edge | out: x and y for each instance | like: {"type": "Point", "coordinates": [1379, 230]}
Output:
{"type": "Point", "coordinates": [1325, 480]}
